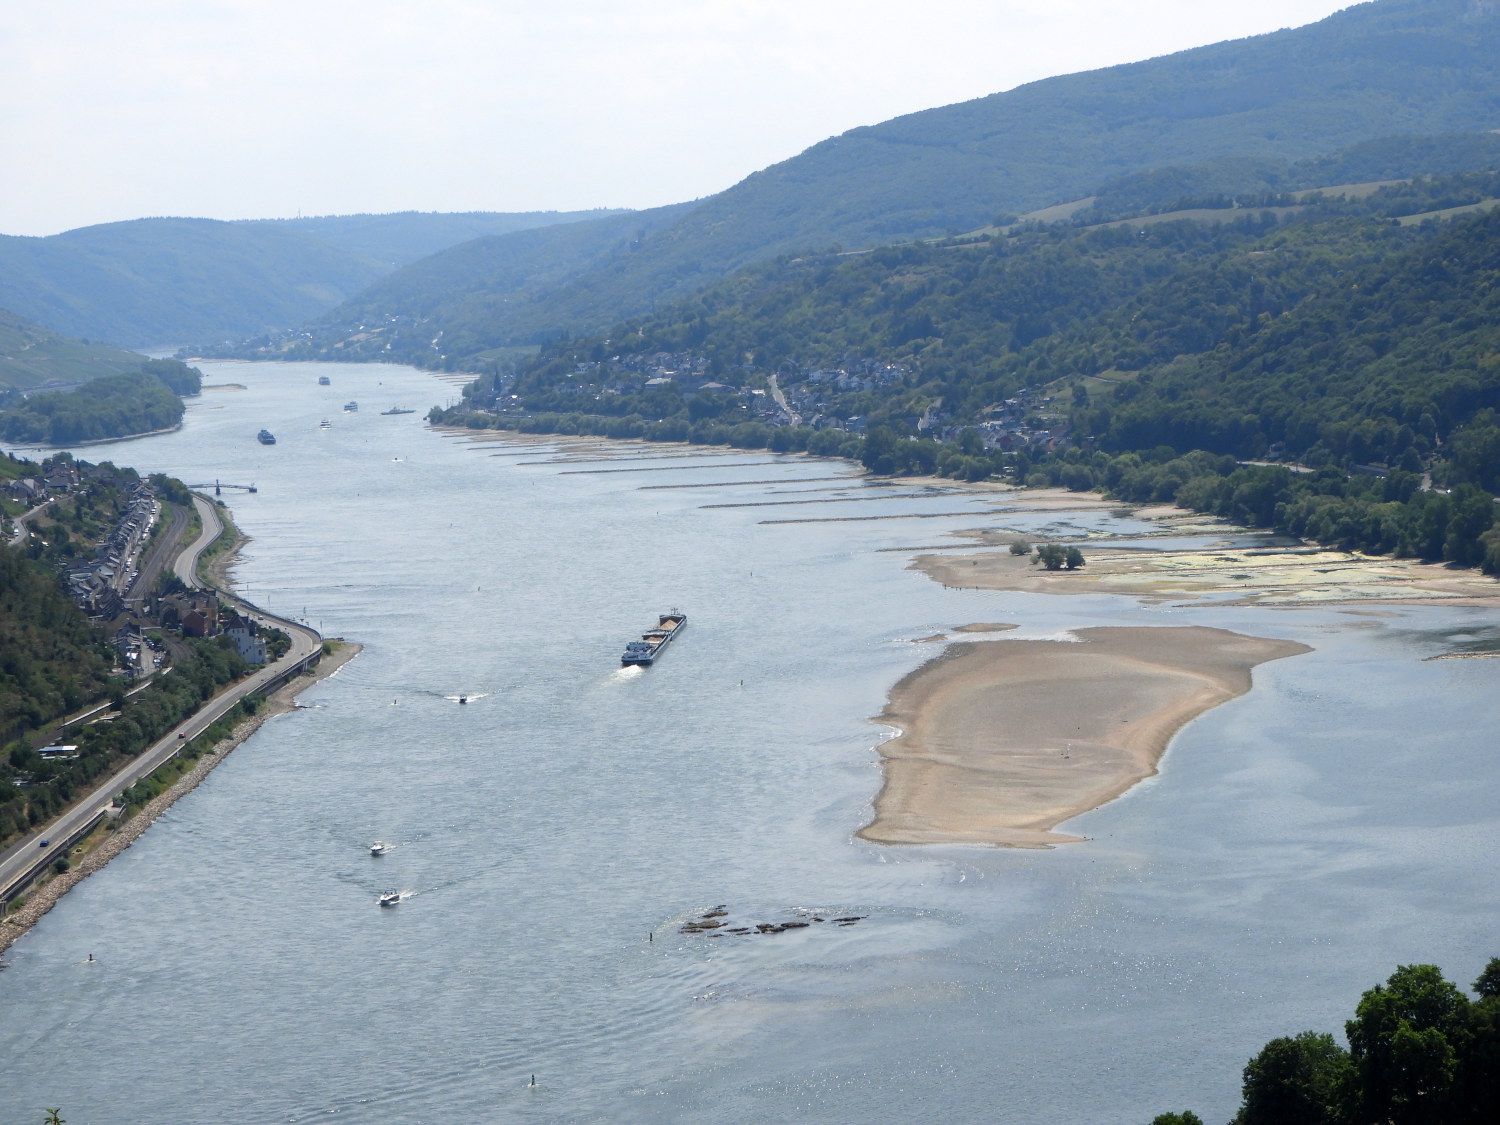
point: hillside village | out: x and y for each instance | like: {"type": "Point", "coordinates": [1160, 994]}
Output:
{"type": "Point", "coordinates": [815, 397]}
{"type": "Point", "coordinates": [97, 525]}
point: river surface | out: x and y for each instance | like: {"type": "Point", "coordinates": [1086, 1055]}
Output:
{"type": "Point", "coordinates": [555, 831]}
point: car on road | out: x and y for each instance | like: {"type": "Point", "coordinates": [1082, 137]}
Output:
{"type": "Point", "coordinates": [43, 843]}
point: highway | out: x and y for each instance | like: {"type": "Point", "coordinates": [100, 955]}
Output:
{"type": "Point", "coordinates": [19, 862]}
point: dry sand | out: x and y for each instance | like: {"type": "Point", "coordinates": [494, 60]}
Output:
{"type": "Point", "coordinates": [1001, 741]}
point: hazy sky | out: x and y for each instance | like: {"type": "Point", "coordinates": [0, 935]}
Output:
{"type": "Point", "coordinates": [117, 109]}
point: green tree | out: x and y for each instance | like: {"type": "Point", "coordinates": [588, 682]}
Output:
{"type": "Point", "coordinates": [1488, 984]}
{"type": "Point", "coordinates": [1053, 556]}
{"type": "Point", "coordinates": [1479, 1061]}
{"type": "Point", "coordinates": [1405, 1041]}
{"type": "Point", "coordinates": [1296, 1081]}
{"type": "Point", "coordinates": [879, 450]}
{"type": "Point", "coordinates": [1471, 515]}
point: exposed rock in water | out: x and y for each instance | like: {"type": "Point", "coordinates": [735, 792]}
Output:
{"type": "Point", "coordinates": [713, 920]}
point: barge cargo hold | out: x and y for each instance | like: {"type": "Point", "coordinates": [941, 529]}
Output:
{"type": "Point", "coordinates": [649, 647]}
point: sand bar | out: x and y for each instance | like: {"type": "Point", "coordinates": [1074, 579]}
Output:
{"type": "Point", "coordinates": [1001, 741]}
{"type": "Point", "coordinates": [1292, 576]}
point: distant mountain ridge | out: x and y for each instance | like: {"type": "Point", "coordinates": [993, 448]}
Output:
{"type": "Point", "coordinates": [165, 281]}
{"type": "Point", "coordinates": [1416, 67]}
{"type": "Point", "coordinates": [1389, 66]}
{"type": "Point", "coordinates": [525, 276]}
{"type": "Point", "coordinates": [402, 237]}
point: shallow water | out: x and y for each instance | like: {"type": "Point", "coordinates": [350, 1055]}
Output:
{"type": "Point", "coordinates": [554, 832]}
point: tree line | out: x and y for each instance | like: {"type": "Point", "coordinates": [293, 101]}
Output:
{"type": "Point", "coordinates": [1420, 1053]}
{"type": "Point", "coordinates": [111, 406]}
{"type": "Point", "coordinates": [1385, 514]}
{"type": "Point", "coordinates": [141, 719]}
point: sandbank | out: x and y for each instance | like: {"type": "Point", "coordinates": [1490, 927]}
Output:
{"type": "Point", "coordinates": [1003, 740]}
{"type": "Point", "coordinates": [1238, 576]}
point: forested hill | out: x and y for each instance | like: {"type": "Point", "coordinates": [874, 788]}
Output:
{"type": "Point", "coordinates": [1317, 336]}
{"type": "Point", "coordinates": [50, 660]}
{"type": "Point", "coordinates": [152, 282]}
{"type": "Point", "coordinates": [161, 281]}
{"type": "Point", "coordinates": [58, 391]}
{"type": "Point", "coordinates": [32, 356]}
{"type": "Point", "coordinates": [1390, 66]}
{"type": "Point", "coordinates": [1392, 359]}
{"type": "Point", "coordinates": [1339, 332]}
{"type": "Point", "coordinates": [144, 400]}
{"type": "Point", "coordinates": [449, 303]}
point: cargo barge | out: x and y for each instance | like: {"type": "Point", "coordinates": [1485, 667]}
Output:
{"type": "Point", "coordinates": [649, 647]}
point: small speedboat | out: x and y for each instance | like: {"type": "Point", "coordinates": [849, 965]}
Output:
{"type": "Point", "coordinates": [463, 699]}
{"type": "Point", "coordinates": [325, 424]}
{"type": "Point", "coordinates": [377, 848]}
{"type": "Point", "coordinates": [390, 898]}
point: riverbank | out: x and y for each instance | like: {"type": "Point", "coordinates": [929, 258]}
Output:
{"type": "Point", "coordinates": [1001, 741]}
{"type": "Point", "coordinates": [1215, 559]}
{"type": "Point", "coordinates": [215, 564]}
{"type": "Point", "coordinates": [51, 447]}
{"type": "Point", "coordinates": [279, 702]}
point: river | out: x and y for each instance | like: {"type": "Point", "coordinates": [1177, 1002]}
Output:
{"type": "Point", "coordinates": [554, 832]}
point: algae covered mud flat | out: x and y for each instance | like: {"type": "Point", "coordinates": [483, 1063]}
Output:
{"type": "Point", "coordinates": [553, 836]}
